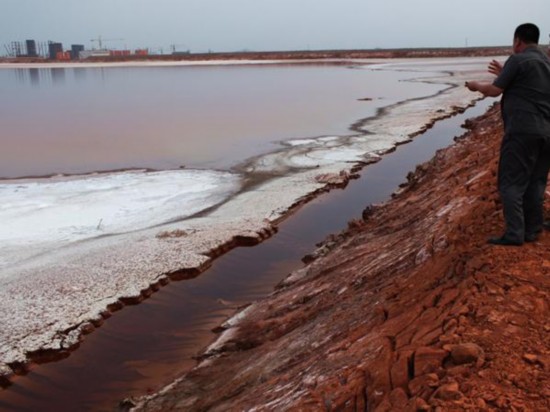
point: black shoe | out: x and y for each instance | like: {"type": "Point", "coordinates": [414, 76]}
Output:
{"type": "Point", "coordinates": [502, 241]}
{"type": "Point", "coordinates": [533, 237]}
{"type": "Point", "coordinates": [546, 225]}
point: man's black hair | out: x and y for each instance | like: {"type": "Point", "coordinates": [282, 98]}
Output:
{"type": "Point", "coordinates": [527, 33]}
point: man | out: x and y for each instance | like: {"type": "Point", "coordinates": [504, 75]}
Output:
{"type": "Point", "coordinates": [524, 81]}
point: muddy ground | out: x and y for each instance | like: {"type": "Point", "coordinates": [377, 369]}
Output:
{"type": "Point", "coordinates": [408, 309]}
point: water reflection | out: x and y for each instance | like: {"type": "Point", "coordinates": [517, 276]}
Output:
{"type": "Point", "coordinates": [34, 76]}
{"type": "Point", "coordinates": [20, 75]}
{"type": "Point", "coordinates": [80, 74]}
{"type": "Point", "coordinates": [27, 76]}
{"type": "Point", "coordinates": [58, 75]}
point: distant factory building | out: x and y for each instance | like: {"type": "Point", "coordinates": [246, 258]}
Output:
{"type": "Point", "coordinates": [76, 49]}
{"type": "Point", "coordinates": [84, 54]}
{"type": "Point", "coordinates": [54, 49]}
{"type": "Point", "coordinates": [31, 48]}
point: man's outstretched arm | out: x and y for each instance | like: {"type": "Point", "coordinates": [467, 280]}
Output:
{"type": "Point", "coordinates": [487, 89]}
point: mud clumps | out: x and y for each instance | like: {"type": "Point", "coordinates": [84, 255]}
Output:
{"type": "Point", "coordinates": [407, 310]}
{"type": "Point", "coordinates": [334, 179]}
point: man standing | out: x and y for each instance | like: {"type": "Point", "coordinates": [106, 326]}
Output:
{"type": "Point", "coordinates": [524, 162]}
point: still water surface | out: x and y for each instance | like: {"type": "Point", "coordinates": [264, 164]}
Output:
{"type": "Point", "coordinates": [79, 120]}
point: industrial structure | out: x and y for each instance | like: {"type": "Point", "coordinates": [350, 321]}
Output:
{"type": "Point", "coordinates": [31, 48]}
{"type": "Point", "coordinates": [76, 49]}
{"type": "Point", "coordinates": [28, 48]}
{"type": "Point", "coordinates": [100, 41]}
{"type": "Point", "coordinates": [54, 50]}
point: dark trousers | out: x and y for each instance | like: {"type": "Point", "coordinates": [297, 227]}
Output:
{"type": "Point", "coordinates": [522, 175]}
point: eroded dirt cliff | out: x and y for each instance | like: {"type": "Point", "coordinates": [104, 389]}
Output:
{"type": "Point", "coordinates": [408, 309]}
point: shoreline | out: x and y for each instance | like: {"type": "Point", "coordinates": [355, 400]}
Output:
{"type": "Point", "coordinates": [161, 63]}
{"type": "Point", "coordinates": [285, 56]}
{"type": "Point", "coordinates": [257, 230]}
{"type": "Point", "coordinates": [337, 57]}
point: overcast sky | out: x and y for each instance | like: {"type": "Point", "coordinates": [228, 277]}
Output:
{"type": "Point", "coordinates": [233, 25]}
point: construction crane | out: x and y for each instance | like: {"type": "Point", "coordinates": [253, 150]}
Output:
{"type": "Point", "coordinates": [173, 47]}
{"type": "Point", "coordinates": [156, 50]}
{"type": "Point", "coordinates": [100, 41]}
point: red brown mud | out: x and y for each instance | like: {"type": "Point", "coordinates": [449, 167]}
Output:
{"type": "Point", "coordinates": [408, 309]}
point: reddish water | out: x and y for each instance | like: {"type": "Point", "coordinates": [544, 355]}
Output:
{"type": "Point", "coordinates": [144, 347]}
{"type": "Point", "coordinates": [91, 119]}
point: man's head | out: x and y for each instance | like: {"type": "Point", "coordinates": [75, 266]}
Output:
{"type": "Point", "coordinates": [526, 34]}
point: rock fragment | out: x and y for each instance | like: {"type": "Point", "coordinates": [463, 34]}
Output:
{"type": "Point", "coordinates": [448, 392]}
{"type": "Point", "coordinates": [427, 360]}
{"type": "Point", "coordinates": [467, 353]}
{"type": "Point", "coordinates": [530, 358]}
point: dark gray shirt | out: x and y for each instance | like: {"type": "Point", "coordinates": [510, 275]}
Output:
{"type": "Point", "coordinates": [525, 79]}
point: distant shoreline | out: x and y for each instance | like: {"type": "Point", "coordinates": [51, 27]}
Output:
{"type": "Point", "coordinates": [299, 55]}
{"type": "Point", "coordinates": [84, 64]}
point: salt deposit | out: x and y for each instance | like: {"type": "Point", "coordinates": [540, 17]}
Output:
{"type": "Point", "coordinates": [43, 215]}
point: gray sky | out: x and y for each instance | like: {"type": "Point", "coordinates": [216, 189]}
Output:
{"type": "Point", "coordinates": [232, 25]}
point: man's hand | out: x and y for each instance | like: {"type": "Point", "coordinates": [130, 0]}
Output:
{"type": "Point", "coordinates": [472, 86]}
{"type": "Point", "coordinates": [495, 67]}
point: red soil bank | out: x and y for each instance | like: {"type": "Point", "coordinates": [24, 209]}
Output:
{"type": "Point", "coordinates": [408, 309]}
